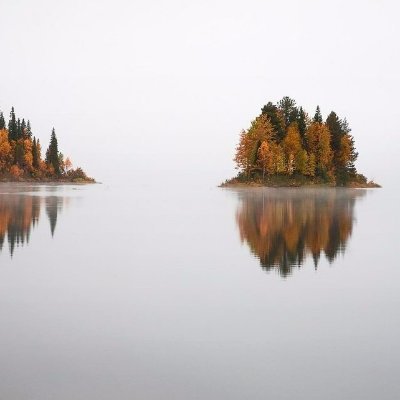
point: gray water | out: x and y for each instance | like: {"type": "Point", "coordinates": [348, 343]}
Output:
{"type": "Point", "coordinates": [151, 292]}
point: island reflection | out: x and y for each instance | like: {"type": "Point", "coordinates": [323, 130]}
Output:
{"type": "Point", "coordinates": [283, 227]}
{"type": "Point", "coordinates": [19, 214]}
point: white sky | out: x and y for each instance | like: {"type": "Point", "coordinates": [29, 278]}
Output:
{"type": "Point", "coordinates": [163, 88]}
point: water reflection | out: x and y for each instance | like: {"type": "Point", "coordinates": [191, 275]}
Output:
{"type": "Point", "coordinates": [284, 226]}
{"type": "Point", "coordinates": [20, 213]}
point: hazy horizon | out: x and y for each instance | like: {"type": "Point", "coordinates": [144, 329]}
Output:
{"type": "Point", "coordinates": [162, 89]}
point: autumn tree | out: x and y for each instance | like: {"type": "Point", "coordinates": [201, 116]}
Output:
{"type": "Point", "coordinates": [5, 150]}
{"type": "Point", "coordinates": [292, 146]}
{"type": "Point", "coordinates": [250, 141]}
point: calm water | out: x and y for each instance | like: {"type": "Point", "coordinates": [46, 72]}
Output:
{"type": "Point", "coordinates": [149, 292]}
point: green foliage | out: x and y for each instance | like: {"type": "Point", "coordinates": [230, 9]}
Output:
{"type": "Point", "coordinates": [2, 121]}
{"type": "Point", "coordinates": [52, 155]}
{"type": "Point", "coordinates": [12, 126]}
{"type": "Point", "coordinates": [302, 124]}
{"type": "Point", "coordinates": [273, 114]}
{"type": "Point", "coordinates": [317, 116]}
{"type": "Point", "coordinates": [35, 154]}
{"type": "Point", "coordinates": [289, 111]}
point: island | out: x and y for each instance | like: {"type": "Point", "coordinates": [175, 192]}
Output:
{"type": "Point", "coordinates": [284, 146]}
{"type": "Point", "coordinates": [21, 156]}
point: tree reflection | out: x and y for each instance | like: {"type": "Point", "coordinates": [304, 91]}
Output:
{"type": "Point", "coordinates": [20, 213]}
{"type": "Point", "coordinates": [284, 226]}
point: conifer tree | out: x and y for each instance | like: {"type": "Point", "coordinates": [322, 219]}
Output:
{"type": "Point", "coordinates": [23, 128]}
{"type": "Point", "coordinates": [2, 121]}
{"type": "Point", "coordinates": [289, 110]}
{"type": "Point", "coordinates": [28, 130]}
{"type": "Point", "coordinates": [318, 116]}
{"type": "Point", "coordinates": [19, 129]}
{"type": "Point", "coordinates": [302, 125]}
{"type": "Point", "coordinates": [35, 156]}
{"type": "Point", "coordinates": [52, 156]}
{"type": "Point", "coordinates": [335, 127]}
{"type": "Point", "coordinates": [12, 126]}
{"type": "Point", "coordinates": [272, 112]}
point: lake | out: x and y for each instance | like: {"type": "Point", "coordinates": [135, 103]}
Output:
{"type": "Point", "coordinates": [196, 292]}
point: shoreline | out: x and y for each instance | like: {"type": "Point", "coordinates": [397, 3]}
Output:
{"type": "Point", "coordinates": [50, 181]}
{"type": "Point", "coordinates": [293, 184]}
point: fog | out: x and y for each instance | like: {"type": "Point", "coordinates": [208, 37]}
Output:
{"type": "Point", "coordinates": [159, 90]}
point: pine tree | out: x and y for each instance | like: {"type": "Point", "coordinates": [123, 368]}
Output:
{"type": "Point", "coordinates": [272, 112]}
{"type": "Point", "coordinates": [35, 158]}
{"type": "Point", "coordinates": [52, 157]}
{"type": "Point", "coordinates": [12, 126]}
{"type": "Point", "coordinates": [318, 116]}
{"type": "Point", "coordinates": [302, 125]}
{"type": "Point", "coordinates": [335, 127]}
{"type": "Point", "coordinates": [23, 128]}
{"type": "Point", "coordinates": [19, 129]}
{"type": "Point", "coordinates": [28, 130]}
{"type": "Point", "coordinates": [289, 110]}
{"type": "Point", "coordinates": [2, 121]}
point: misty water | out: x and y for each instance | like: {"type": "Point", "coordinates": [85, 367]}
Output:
{"type": "Point", "coordinates": [171, 292]}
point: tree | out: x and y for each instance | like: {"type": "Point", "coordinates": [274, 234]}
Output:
{"type": "Point", "coordinates": [2, 121]}
{"type": "Point", "coordinates": [28, 156]}
{"type": "Point", "coordinates": [28, 129]}
{"type": "Point", "coordinates": [19, 129]}
{"type": "Point", "coordinates": [335, 127]}
{"type": "Point", "coordinates": [317, 116]}
{"type": "Point", "coordinates": [5, 151]}
{"type": "Point", "coordinates": [12, 126]}
{"type": "Point", "coordinates": [301, 162]}
{"type": "Point", "coordinates": [35, 155]}
{"type": "Point", "coordinates": [289, 110]}
{"type": "Point", "coordinates": [302, 125]}
{"type": "Point", "coordinates": [275, 117]}
{"type": "Point", "coordinates": [68, 164]}
{"type": "Point", "coordinates": [292, 146]}
{"type": "Point", "coordinates": [318, 143]}
{"type": "Point", "coordinates": [52, 156]}
{"type": "Point", "coordinates": [250, 141]}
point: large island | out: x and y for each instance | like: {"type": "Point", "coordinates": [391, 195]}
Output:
{"type": "Point", "coordinates": [21, 158]}
{"type": "Point", "coordinates": [284, 146]}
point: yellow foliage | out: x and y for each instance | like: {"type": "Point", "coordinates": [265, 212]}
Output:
{"type": "Point", "coordinates": [5, 150]}
{"type": "Point", "coordinates": [15, 171]}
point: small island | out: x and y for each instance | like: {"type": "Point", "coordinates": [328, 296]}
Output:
{"type": "Point", "coordinates": [21, 158]}
{"type": "Point", "coordinates": [284, 146]}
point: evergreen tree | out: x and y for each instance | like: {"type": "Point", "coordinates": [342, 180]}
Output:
{"type": "Point", "coordinates": [289, 110]}
{"type": "Point", "coordinates": [19, 129]}
{"type": "Point", "coordinates": [35, 155]}
{"type": "Point", "coordinates": [12, 126]}
{"type": "Point", "coordinates": [19, 155]}
{"type": "Point", "coordinates": [2, 121]}
{"type": "Point", "coordinates": [52, 156]}
{"type": "Point", "coordinates": [318, 116]}
{"type": "Point", "coordinates": [302, 125]}
{"type": "Point", "coordinates": [28, 130]}
{"type": "Point", "coordinates": [23, 128]}
{"type": "Point", "coordinates": [272, 112]}
{"type": "Point", "coordinates": [335, 127]}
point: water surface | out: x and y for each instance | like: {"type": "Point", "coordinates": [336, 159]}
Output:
{"type": "Point", "coordinates": [152, 292]}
